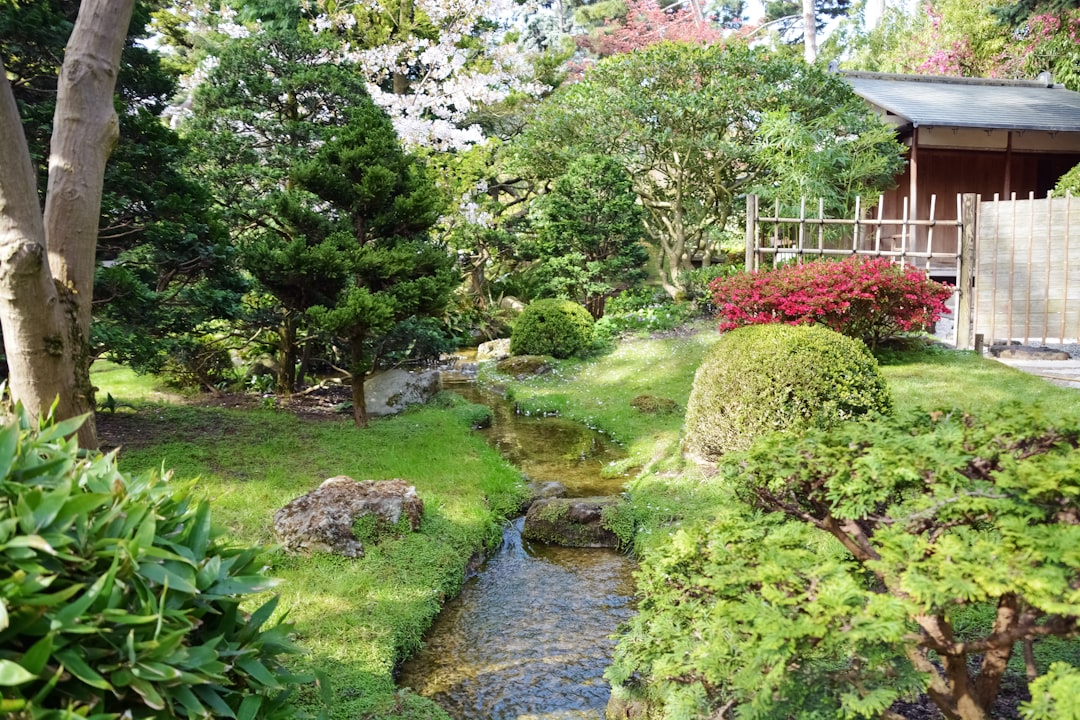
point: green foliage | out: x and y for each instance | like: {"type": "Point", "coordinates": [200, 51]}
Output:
{"type": "Point", "coordinates": [768, 378]}
{"type": "Point", "coordinates": [799, 596]}
{"type": "Point", "coordinates": [559, 328]}
{"type": "Point", "coordinates": [751, 611]}
{"type": "Point", "coordinates": [165, 264]}
{"type": "Point", "coordinates": [946, 511]}
{"type": "Point", "coordinates": [120, 599]}
{"type": "Point", "coordinates": [590, 232]}
{"type": "Point", "coordinates": [371, 529]}
{"type": "Point", "coordinates": [685, 121]}
{"type": "Point", "coordinates": [1053, 695]}
{"type": "Point", "coordinates": [643, 309]}
{"type": "Point", "coordinates": [1069, 182]}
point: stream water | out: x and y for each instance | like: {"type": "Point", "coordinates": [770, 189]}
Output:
{"type": "Point", "coordinates": [528, 638]}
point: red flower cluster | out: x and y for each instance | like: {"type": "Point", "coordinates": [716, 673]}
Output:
{"type": "Point", "coordinates": [871, 299]}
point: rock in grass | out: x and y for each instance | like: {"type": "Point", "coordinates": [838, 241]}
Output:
{"type": "Point", "coordinates": [323, 520]}
{"type": "Point", "coordinates": [390, 392]}
{"type": "Point", "coordinates": [523, 366]}
{"type": "Point", "coordinates": [493, 350]}
{"type": "Point", "coordinates": [572, 522]}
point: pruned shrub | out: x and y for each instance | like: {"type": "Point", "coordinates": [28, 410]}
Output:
{"type": "Point", "coordinates": [767, 378]}
{"type": "Point", "coordinates": [559, 328]}
{"type": "Point", "coordinates": [119, 599]}
{"type": "Point", "coordinates": [869, 299]}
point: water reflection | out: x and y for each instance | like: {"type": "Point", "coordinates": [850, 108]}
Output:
{"type": "Point", "coordinates": [548, 448]}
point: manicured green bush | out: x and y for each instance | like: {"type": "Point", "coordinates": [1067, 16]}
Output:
{"type": "Point", "coordinates": [119, 599]}
{"type": "Point", "coordinates": [766, 378]}
{"type": "Point", "coordinates": [559, 328]}
{"type": "Point", "coordinates": [865, 564]}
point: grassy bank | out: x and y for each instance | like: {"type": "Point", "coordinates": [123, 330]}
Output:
{"type": "Point", "coordinates": [357, 618]}
{"type": "Point", "coordinates": [601, 392]}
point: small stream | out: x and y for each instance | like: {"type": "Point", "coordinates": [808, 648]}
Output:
{"type": "Point", "coordinates": [528, 638]}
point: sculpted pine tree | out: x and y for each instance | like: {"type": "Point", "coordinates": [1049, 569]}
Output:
{"type": "Point", "coordinates": [47, 258]}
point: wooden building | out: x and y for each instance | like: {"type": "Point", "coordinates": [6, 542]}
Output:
{"type": "Point", "coordinates": [971, 135]}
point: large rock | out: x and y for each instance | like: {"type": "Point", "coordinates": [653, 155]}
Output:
{"type": "Point", "coordinates": [493, 350]}
{"type": "Point", "coordinates": [322, 520]}
{"type": "Point", "coordinates": [573, 522]}
{"type": "Point", "coordinates": [1026, 352]}
{"type": "Point", "coordinates": [524, 366]}
{"type": "Point", "coordinates": [390, 392]}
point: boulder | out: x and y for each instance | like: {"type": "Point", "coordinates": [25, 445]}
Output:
{"type": "Point", "coordinates": [1026, 352]}
{"type": "Point", "coordinates": [390, 392]}
{"type": "Point", "coordinates": [493, 350]}
{"type": "Point", "coordinates": [541, 491]}
{"type": "Point", "coordinates": [523, 366]}
{"type": "Point", "coordinates": [572, 522]}
{"type": "Point", "coordinates": [322, 520]}
{"type": "Point", "coordinates": [512, 304]}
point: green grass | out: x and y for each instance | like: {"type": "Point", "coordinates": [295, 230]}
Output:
{"type": "Point", "coordinates": [357, 618]}
{"type": "Point", "coordinates": [669, 490]}
{"type": "Point", "coordinates": [127, 386]}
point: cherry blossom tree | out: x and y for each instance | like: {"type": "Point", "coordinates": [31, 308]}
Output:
{"type": "Point", "coordinates": [647, 23]}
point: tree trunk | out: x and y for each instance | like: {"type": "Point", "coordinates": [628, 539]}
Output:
{"type": "Point", "coordinates": [809, 31]}
{"type": "Point", "coordinates": [359, 372]}
{"type": "Point", "coordinates": [45, 308]}
{"type": "Point", "coordinates": [286, 375]}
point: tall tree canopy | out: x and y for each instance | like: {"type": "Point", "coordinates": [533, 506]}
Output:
{"type": "Point", "coordinates": [684, 120]}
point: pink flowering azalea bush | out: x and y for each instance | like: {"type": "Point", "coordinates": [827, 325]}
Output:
{"type": "Point", "coordinates": [870, 299]}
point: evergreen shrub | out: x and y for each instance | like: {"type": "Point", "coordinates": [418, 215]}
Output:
{"type": "Point", "coordinates": [559, 328]}
{"type": "Point", "coordinates": [118, 598]}
{"type": "Point", "coordinates": [869, 299]}
{"type": "Point", "coordinates": [766, 378]}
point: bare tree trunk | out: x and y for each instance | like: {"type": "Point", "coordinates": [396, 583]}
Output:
{"type": "Point", "coordinates": [809, 31]}
{"type": "Point", "coordinates": [45, 308]}
{"type": "Point", "coordinates": [358, 369]}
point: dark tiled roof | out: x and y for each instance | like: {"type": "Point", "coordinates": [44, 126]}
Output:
{"type": "Point", "coordinates": [924, 100]}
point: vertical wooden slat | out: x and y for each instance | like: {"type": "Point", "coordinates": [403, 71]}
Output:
{"type": "Point", "coordinates": [821, 227]}
{"type": "Point", "coordinates": [1030, 250]}
{"type": "Point", "coordinates": [855, 233]}
{"type": "Point", "coordinates": [751, 232]}
{"type": "Point", "coordinates": [1046, 289]}
{"type": "Point", "coordinates": [995, 257]}
{"type": "Point", "coordinates": [903, 234]}
{"type": "Point", "coordinates": [965, 282]}
{"type": "Point", "coordinates": [1066, 281]}
{"type": "Point", "coordinates": [877, 233]}
{"type": "Point", "coordinates": [930, 234]}
{"type": "Point", "coordinates": [802, 230]}
{"type": "Point", "coordinates": [1012, 270]}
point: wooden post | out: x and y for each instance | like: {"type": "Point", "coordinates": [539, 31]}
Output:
{"type": "Point", "coordinates": [751, 232]}
{"type": "Point", "coordinates": [965, 282]}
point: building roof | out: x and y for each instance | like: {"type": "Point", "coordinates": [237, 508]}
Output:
{"type": "Point", "coordinates": [928, 100]}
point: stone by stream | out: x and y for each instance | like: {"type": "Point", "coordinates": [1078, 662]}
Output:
{"type": "Point", "coordinates": [572, 522]}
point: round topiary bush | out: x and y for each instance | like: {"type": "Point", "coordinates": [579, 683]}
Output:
{"type": "Point", "coordinates": [560, 328]}
{"type": "Point", "coordinates": [765, 378]}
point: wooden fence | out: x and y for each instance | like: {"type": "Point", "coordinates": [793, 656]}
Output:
{"type": "Point", "coordinates": [1015, 263]}
{"type": "Point", "coordinates": [940, 246]}
{"type": "Point", "coordinates": [1027, 274]}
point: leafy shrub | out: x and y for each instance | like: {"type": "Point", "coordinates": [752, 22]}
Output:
{"type": "Point", "coordinates": [119, 599]}
{"type": "Point", "coordinates": [560, 328]}
{"type": "Point", "coordinates": [763, 379]}
{"type": "Point", "coordinates": [643, 309]}
{"type": "Point", "coordinates": [869, 299]}
{"type": "Point", "coordinates": [846, 571]}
